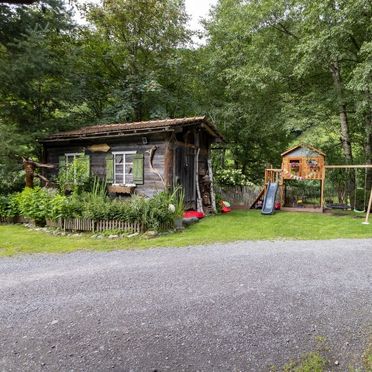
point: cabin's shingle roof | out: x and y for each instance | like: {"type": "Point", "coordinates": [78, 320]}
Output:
{"type": "Point", "coordinates": [135, 127]}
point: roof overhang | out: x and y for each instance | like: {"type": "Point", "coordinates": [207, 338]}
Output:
{"type": "Point", "coordinates": [303, 145]}
{"type": "Point", "coordinates": [133, 129]}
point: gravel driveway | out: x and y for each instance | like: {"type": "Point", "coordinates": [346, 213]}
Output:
{"type": "Point", "coordinates": [242, 306]}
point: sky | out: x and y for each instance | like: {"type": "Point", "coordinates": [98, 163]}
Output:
{"type": "Point", "coordinates": [198, 9]}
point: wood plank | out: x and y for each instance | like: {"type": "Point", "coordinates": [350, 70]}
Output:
{"type": "Point", "coordinates": [258, 198]}
{"type": "Point", "coordinates": [347, 166]}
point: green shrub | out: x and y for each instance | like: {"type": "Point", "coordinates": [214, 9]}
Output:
{"type": "Point", "coordinates": [34, 203]}
{"type": "Point", "coordinates": [56, 207]}
{"type": "Point", "coordinates": [73, 207]}
{"type": "Point", "coordinates": [9, 205]}
{"type": "Point", "coordinates": [96, 207]}
{"type": "Point", "coordinates": [138, 209]}
{"type": "Point", "coordinates": [232, 177]}
{"type": "Point", "coordinates": [40, 204]}
{"type": "Point", "coordinates": [219, 200]}
{"type": "Point", "coordinates": [158, 211]}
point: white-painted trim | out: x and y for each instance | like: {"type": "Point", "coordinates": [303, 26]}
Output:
{"type": "Point", "coordinates": [73, 153]}
{"type": "Point", "coordinates": [124, 153]}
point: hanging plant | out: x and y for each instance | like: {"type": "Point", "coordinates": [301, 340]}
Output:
{"type": "Point", "coordinates": [313, 164]}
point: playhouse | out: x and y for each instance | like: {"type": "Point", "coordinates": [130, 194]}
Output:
{"type": "Point", "coordinates": [302, 163]}
{"type": "Point", "coordinates": [299, 163]}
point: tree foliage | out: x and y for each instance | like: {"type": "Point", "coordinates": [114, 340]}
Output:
{"type": "Point", "coordinates": [270, 73]}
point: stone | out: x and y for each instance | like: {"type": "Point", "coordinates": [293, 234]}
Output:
{"type": "Point", "coordinates": [113, 236]}
{"type": "Point", "coordinates": [151, 233]}
{"type": "Point", "coordinates": [133, 235]}
{"type": "Point", "coordinates": [190, 221]}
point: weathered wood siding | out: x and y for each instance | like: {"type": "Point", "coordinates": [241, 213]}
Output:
{"type": "Point", "coordinates": [152, 182]}
{"type": "Point", "coordinates": [174, 159]}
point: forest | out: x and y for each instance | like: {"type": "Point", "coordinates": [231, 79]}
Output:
{"type": "Point", "coordinates": [268, 73]}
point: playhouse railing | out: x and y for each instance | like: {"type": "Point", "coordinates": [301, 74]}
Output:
{"type": "Point", "coordinates": [272, 175]}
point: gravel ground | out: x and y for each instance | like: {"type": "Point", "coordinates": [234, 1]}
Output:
{"type": "Point", "coordinates": [242, 306]}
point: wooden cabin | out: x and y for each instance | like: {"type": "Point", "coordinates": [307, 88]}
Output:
{"type": "Point", "coordinates": [143, 157]}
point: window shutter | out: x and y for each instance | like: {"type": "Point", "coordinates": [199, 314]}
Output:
{"type": "Point", "coordinates": [138, 169]}
{"type": "Point", "coordinates": [109, 168]}
{"type": "Point", "coordinates": [61, 162]}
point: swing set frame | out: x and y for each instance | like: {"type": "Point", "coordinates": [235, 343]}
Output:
{"type": "Point", "coordinates": [347, 166]}
{"type": "Point", "coordinates": [305, 162]}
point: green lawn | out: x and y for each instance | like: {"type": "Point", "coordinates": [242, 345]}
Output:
{"type": "Point", "coordinates": [238, 225]}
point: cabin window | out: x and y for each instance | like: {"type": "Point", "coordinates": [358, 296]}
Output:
{"type": "Point", "coordinates": [76, 164]}
{"type": "Point", "coordinates": [123, 167]}
{"type": "Point", "coordinates": [71, 157]}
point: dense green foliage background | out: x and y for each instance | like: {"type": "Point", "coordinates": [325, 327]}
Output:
{"type": "Point", "coordinates": [270, 73]}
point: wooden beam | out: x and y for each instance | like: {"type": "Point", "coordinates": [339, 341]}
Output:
{"type": "Point", "coordinates": [168, 164]}
{"type": "Point", "coordinates": [347, 166]}
{"type": "Point", "coordinates": [105, 135]}
{"type": "Point", "coordinates": [369, 209]}
{"type": "Point", "coordinates": [322, 187]}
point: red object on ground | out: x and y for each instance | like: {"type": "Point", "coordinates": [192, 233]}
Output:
{"type": "Point", "coordinates": [225, 209]}
{"type": "Point", "coordinates": [190, 214]}
{"type": "Point", "coordinates": [277, 205]}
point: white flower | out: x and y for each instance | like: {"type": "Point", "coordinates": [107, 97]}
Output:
{"type": "Point", "coordinates": [171, 208]}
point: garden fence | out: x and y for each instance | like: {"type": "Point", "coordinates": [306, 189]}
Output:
{"type": "Point", "coordinates": [238, 196]}
{"type": "Point", "coordinates": [81, 224]}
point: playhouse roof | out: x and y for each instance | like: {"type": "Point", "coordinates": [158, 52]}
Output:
{"type": "Point", "coordinates": [302, 145]}
{"type": "Point", "coordinates": [122, 129]}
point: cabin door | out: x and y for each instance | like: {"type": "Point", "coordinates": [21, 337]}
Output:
{"type": "Point", "coordinates": [185, 174]}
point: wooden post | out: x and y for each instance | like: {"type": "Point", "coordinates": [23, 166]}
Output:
{"type": "Point", "coordinates": [213, 196]}
{"type": "Point", "coordinates": [368, 209]}
{"type": "Point", "coordinates": [199, 204]}
{"type": "Point", "coordinates": [322, 189]}
{"type": "Point", "coordinates": [168, 165]}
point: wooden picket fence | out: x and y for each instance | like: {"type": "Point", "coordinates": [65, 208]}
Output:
{"type": "Point", "coordinates": [82, 224]}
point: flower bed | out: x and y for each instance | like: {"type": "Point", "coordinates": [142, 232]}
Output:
{"type": "Point", "coordinates": [91, 212]}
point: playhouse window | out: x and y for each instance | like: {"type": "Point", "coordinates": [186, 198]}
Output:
{"type": "Point", "coordinates": [295, 164]}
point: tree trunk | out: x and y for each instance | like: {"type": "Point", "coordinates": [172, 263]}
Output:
{"type": "Point", "coordinates": [368, 153]}
{"type": "Point", "coordinates": [344, 129]}
{"type": "Point", "coordinates": [368, 143]}
{"type": "Point", "coordinates": [345, 135]}
{"type": "Point", "coordinates": [29, 169]}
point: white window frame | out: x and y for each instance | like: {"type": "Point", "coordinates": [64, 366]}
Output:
{"type": "Point", "coordinates": [124, 153]}
{"type": "Point", "coordinates": [74, 155]}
